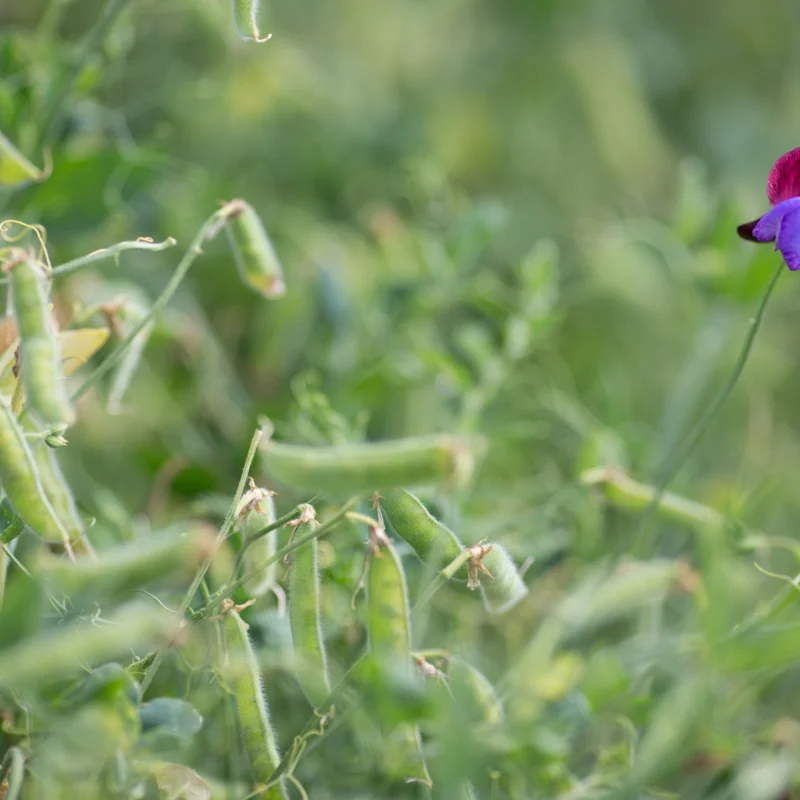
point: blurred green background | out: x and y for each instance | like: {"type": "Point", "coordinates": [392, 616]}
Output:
{"type": "Point", "coordinates": [409, 159]}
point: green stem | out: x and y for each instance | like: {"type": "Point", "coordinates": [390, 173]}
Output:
{"type": "Point", "coordinates": [207, 232]}
{"type": "Point", "coordinates": [440, 580]}
{"type": "Point", "coordinates": [201, 573]}
{"type": "Point", "coordinates": [112, 252]}
{"type": "Point", "coordinates": [679, 457]}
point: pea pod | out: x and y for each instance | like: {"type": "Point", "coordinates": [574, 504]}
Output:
{"type": "Point", "coordinates": [389, 629]}
{"type": "Point", "coordinates": [505, 588]}
{"type": "Point", "coordinates": [20, 480]}
{"type": "Point", "coordinates": [256, 260]}
{"type": "Point", "coordinates": [305, 615]}
{"type": "Point", "coordinates": [42, 373]}
{"type": "Point", "coordinates": [427, 537]}
{"type": "Point", "coordinates": [245, 15]}
{"type": "Point", "coordinates": [353, 468]}
{"type": "Point", "coordinates": [241, 671]}
{"type": "Point", "coordinates": [256, 511]}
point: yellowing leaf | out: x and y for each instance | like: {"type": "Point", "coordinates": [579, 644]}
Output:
{"type": "Point", "coordinates": [14, 167]}
{"type": "Point", "coordinates": [78, 346]}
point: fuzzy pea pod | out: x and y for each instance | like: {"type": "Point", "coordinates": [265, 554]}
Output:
{"type": "Point", "coordinates": [20, 480]}
{"type": "Point", "coordinates": [428, 537]}
{"type": "Point", "coordinates": [389, 629]}
{"type": "Point", "coordinates": [255, 256]}
{"type": "Point", "coordinates": [505, 588]}
{"type": "Point", "coordinates": [354, 468]}
{"type": "Point", "coordinates": [256, 512]}
{"type": "Point", "coordinates": [305, 617]}
{"type": "Point", "coordinates": [42, 372]}
{"type": "Point", "coordinates": [240, 670]}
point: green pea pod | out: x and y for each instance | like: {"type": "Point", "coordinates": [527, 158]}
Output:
{"type": "Point", "coordinates": [245, 15]}
{"type": "Point", "coordinates": [389, 629]}
{"type": "Point", "coordinates": [256, 511]}
{"type": "Point", "coordinates": [241, 672]}
{"type": "Point", "coordinates": [434, 543]}
{"type": "Point", "coordinates": [353, 468]}
{"type": "Point", "coordinates": [473, 691]}
{"type": "Point", "coordinates": [305, 618]}
{"type": "Point", "coordinates": [42, 372]}
{"type": "Point", "coordinates": [505, 588]}
{"type": "Point", "coordinates": [256, 260]}
{"type": "Point", "coordinates": [20, 480]}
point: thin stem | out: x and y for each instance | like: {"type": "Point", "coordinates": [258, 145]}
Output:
{"type": "Point", "coordinates": [440, 580]}
{"type": "Point", "coordinates": [680, 456]}
{"type": "Point", "coordinates": [295, 544]}
{"type": "Point", "coordinates": [63, 90]}
{"type": "Point", "coordinates": [201, 573]}
{"type": "Point", "coordinates": [207, 232]}
{"type": "Point", "coordinates": [112, 252]}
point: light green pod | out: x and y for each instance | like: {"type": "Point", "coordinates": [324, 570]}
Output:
{"type": "Point", "coordinates": [20, 481]}
{"type": "Point", "coordinates": [389, 630]}
{"type": "Point", "coordinates": [256, 260]}
{"type": "Point", "coordinates": [42, 372]}
{"type": "Point", "coordinates": [245, 15]}
{"type": "Point", "coordinates": [505, 588]}
{"type": "Point", "coordinates": [241, 672]}
{"type": "Point", "coordinates": [306, 621]}
{"type": "Point", "coordinates": [473, 691]}
{"type": "Point", "coordinates": [427, 537]}
{"type": "Point", "coordinates": [353, 468]}
{"type": "Point", "coordinates": [256, 512]}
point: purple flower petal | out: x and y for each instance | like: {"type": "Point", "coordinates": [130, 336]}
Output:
{"type": "Point", "coordinates": [746, 230]}
{"type": "Point", "coordinates": [766, 229]}
{"type": "Point", "coordinates": [784, 178]}
{"type": "Point", "coordinates": [788, 241]}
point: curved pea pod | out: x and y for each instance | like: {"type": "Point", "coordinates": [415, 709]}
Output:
{"type": "Point", "coordinates": [256, 260]}
{"type": "Point", "coordinates": [389, 630]}
{"type": "Point", "coordinates": [505, 588]}
{"type": "Point", "coordinates": [473, 691]}
{"type": "Point", "coordinates": [434, 543]}
{"type": "Point", "coordinates": [256, 511]}
{"type": "Point", "coordinates": [245, 16]}
{"type": "Point", "coordinates": [42, 374]}
{"type": "Point", "coordinates": [305, 618]}
{"type": "Point", "coordinates": [19, 478]}
{"type": "Point", "coordinates": [241, 672]}
{"type": "Point", "coordinates": [353, 468]}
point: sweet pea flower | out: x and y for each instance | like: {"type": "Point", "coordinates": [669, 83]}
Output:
{"type": "Point", "coordinates": [782, 224]}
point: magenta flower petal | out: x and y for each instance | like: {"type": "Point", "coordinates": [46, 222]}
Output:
{"type": "Point", "coordinates": [784, 178]}
{"type": "Point", "coordinates": [766, 229]}
{"type": "Point", "coordinates": [788, 241]}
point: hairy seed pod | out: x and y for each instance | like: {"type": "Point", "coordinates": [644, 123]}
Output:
{"type": "Point", "coordinates": [389, 630]}
{"type": "Point", "coordinates": [20, 480]}
{"type": "Point", "coordinates": [305, 616]}
{"type": "Point", "coordinates": [42, 372]}
{"type": "Point", "coordinates": [433, 542]}
{"type": "Point", "coordinates": [505, 588]}
{"type": "Point", "coordinates": [245, 15]}
{"type": "Point", "coordinates": [255, 257]}
{"type": "Point", "coordinates": [472, 690]}
{"type": "Point", "coordinates": [256, 511]}
{"type": "Point", "coordinates": [241, 672]}
{"type": "Point", "coordinates": [353, 468]}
